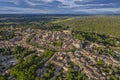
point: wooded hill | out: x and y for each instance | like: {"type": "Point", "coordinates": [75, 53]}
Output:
{"type": "Point", "coordinates": [108, 25]}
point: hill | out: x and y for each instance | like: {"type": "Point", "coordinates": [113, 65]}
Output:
{"type": "Point", "coordinates": [108, 25]}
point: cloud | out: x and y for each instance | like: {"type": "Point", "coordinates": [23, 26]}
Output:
{"type": "Point", "coordinates": [99, 11]}
{"type": "Point", "coordinates": [25, 10]}
{"type": "Point", "coordinates": [60, 6]}
{"type": "Point", "coordinates": [11, 1]}
{"type": "Point", "coordinates": [47, 0]}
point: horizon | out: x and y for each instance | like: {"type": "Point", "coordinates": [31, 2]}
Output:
{"type": "Point", "coordinates": [59, 14]}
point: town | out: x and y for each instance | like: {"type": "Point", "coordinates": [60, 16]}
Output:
{"type": "Point", "coordinates": [58, 55]}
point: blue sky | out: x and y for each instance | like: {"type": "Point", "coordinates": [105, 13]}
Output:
{"type": "Point", "coordinates": [60, 6]}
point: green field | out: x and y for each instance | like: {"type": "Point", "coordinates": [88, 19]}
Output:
{"type": "Point", "coordinates": [108, 25]}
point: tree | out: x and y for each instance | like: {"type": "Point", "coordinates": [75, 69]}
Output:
{"type": "Point", "coordinates": [3, 78]}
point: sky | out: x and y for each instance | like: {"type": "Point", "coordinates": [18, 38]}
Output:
{"type": "Point", "coordinates": [60, 6]}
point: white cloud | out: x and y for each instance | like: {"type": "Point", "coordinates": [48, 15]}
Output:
{"type": "Point", "coordinates": [71, 3]}
{"type": "Point", "coordinates": [47, 0]}
{"type": "Point", "coordinates": [11, 1]}
{"type": "Point", "coordinates": [65, 2]}
{"type": "Point", "coordinates": [99, 10]}
{"type": "Point", "coordinates": [25, 10]}
{"type": "Point", "coordinates": [42, 6]}
{"type": "Point", "coordinates": [30, 3]}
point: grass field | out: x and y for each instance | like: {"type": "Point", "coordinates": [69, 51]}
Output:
{"type": "Point", "coordinates": [108, 25]}
{"type": "Point", "coordinates": [58, 21]}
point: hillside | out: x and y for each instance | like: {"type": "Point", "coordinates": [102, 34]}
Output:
{"type": "Point", "coordinates": [108, 25]}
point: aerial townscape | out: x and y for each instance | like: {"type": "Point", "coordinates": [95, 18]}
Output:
{"type": "Point", "coordinates": [59, 39]}
{"type": "Point", "coordinates": [28, 53]}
